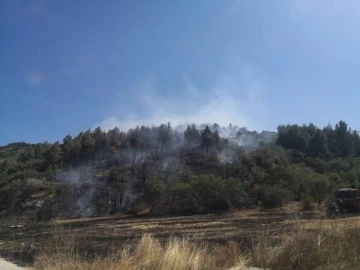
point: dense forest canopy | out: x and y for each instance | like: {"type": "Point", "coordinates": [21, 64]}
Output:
{"type": "Point", "coordinates": [174, 170]}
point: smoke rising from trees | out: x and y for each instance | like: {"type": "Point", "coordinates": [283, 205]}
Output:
{"type": "Point", "coordinates": [191, 169]}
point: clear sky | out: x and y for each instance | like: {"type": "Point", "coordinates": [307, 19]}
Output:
{"type": "Point", "coordinates": [66, 66]}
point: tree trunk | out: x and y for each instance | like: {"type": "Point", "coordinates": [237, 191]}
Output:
{"type": "Point", "coordinates": [113, 210]}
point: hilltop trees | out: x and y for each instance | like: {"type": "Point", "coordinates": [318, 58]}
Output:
{"type": "Point", "coordinates": [192, 138]}
{"type": "Point", "coordinates": [68, 150]}
{"type": "Point", "coordinates": [201, 168]}
{"type": "Point", "coordinates": [87, 146]}
{"type": "Point", "coordinates": [207, 139]}
{"type": "Point", "coordinates": [324, 143]}
{"type": "Point", "coordinates": [99, 137]}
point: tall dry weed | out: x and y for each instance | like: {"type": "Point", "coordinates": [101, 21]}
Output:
{"type": "Point", "coordinates": [324, 246]}
{"type": "Point", "coordinates": [310, 245]}
{"type": "Point", "coordinates": [147, 254]}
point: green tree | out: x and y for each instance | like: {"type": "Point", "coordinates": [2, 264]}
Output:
{"type": "Point", "coordinates": [99, 138]}
{"type": "Point", "coordinates": [180, 194]}
{"type": "Point", "coordinates": [117, 179]}
{"type": "Point", "coordinates": [88, 146]}
{"type": "Point", "coordinates": [275, 196]}
{"type": "Point", "coordinates": [154, 189]}
{"type": "Point", "coordinates": [293, 137]}
{"type": "Point", "coordinates": [164, 136]}
{"type": "Point", "coordinates": [208, 189]}
{"type": "Point", "coordinates": [207, 139]}
{"type": "Point", "coordinates": [356, 141]}
{"type": "Point", "coordinates": [114, 139]}
{"type": "Point", "coordinates": [344, 140]}
{"type": "Point", "coordinates": [55, 155]}
{"type": "Point", "coordinates": [192, 137]}
{"type": "Point", "coordinates": [319, 188]}
{"type": "Point", "coordinates": [67, 148]}
{"type": "Point", "coordinates": [233, 191]}
{"type": "Point", "coordinates": [217, 139]}
{"type": "Point", "coordinates": [76, 149]}
{"type": "Point", "coordinates": [318, 145]}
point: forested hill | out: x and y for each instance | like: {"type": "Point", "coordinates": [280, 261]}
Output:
{"type": "Point", "coordinates": [177, 170]}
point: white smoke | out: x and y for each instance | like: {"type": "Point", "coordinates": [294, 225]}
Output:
{"type": "Point", "coordinates": [236, 99]}
{"type": "Point", "coordinates": [80, 184]}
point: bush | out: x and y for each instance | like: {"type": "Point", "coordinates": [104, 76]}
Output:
{"type": "Point", "coordinates": [275, 196]}
{"type": "Point", "coordinates": [208, 190]}
{"type": "Point", "coordinates": [181, 197]}
{"type": "Point", "coordinates": [319, 188]}
{"type": "Point", "coordinates": [7, 199]}
{"type": "Point", "coordinates": [233, 192]}
{"type": "Point", "coordinates": [306, 203]}
{"type": "Point", "coordinates": [154, 188]}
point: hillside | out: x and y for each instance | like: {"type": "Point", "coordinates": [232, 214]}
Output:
{"type": "Point", "coordinates": [168, 170]}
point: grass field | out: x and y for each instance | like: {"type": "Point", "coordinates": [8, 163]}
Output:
{"type": "Point", "coordinates": [276, 240]}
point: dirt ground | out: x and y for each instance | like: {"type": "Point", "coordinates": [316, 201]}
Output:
{"type": "Point", "coordinates": [20, 240]}
{"type": "Point", "coordinates": [5, 265]}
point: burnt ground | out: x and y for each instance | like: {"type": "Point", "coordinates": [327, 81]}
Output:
{"type": "Point", "coordinates": [19, 241]}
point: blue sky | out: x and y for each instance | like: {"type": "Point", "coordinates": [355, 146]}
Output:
{"type": "Point", "coordinates": [66, 66]}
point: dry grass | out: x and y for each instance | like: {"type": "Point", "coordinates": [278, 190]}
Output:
{"type": "Point", "coordinates": [278, 242]}
{"type": "Point", "coordinates": [322, 245]}
{"type": "Point", "coordinates": [312, 245]}
{"type": "Point", "coordinates": [148, 253]}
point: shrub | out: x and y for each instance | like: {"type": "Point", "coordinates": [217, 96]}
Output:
{"type": "Point", "coordinates": [208, 190]}
{"type": "Point", "coordinates": [233, 192]}
{"type": "Point", "coordinates": [275, 196]}
{"type": "Point", "coordinates": [154, 188]}
{"type": "Point", "coordinates": [306, 203]}
{"type": "Point", "coordinates": [319, 188]}
{"type": "Point", "coordinates": [181, 197]}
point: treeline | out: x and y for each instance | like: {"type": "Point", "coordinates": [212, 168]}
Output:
{"type": "Point", "coordinates": [21, 160]}
{"type": "Point", "coordinates": [198, 169]}
{"type": "Point", "coordinates": [326, 143]}
{"type": "Point", "coordinates": [131, 155]}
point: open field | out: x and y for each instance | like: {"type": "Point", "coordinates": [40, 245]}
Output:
{"type": "Point", "coordinates": [102, 234]}
{"type": "Point", "coordinates": [96, 237]}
